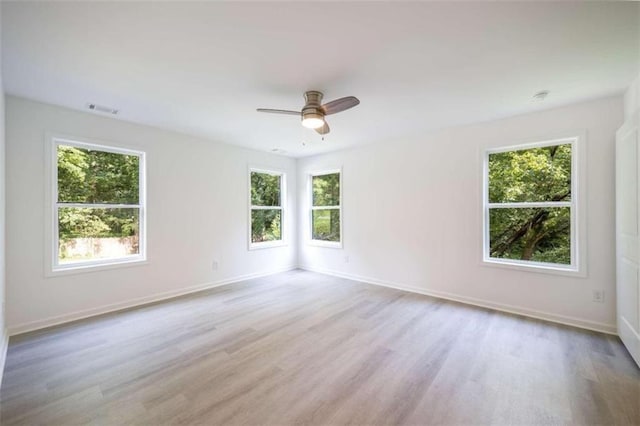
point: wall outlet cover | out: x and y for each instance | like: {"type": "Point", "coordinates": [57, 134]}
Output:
{"type": "Point", "coordinates": [598, 296]}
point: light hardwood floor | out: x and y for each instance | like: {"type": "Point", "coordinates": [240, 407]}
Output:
{"type": "Point", "coordinates": [305, 348]}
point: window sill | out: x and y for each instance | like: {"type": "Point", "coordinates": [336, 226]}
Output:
{"type": "Point", "coordinates": [534, 267]}
{"type": "Point", "coordinates": [266, 245]}
{"type": "Point", "coordinates": [96, 267]}
{"type": "Point", "coordinates": [327, 244]}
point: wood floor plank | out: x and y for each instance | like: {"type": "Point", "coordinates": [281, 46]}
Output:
{"type": "Point", "coordinates": [307, 349]}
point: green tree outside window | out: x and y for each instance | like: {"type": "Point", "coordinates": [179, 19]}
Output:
{"type": "Point", "coordinates": [325, 211]}
{"type": "Point", "coordinates": [266, 206]}
{"type": "Point", "coordinates": [98, 204]}
{"type": "Point", "coordinates": [529, 204]}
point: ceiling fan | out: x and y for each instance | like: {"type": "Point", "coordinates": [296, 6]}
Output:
{"type": "Point", "coordinates": [313, 112]}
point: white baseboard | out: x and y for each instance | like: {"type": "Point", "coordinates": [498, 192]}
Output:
{"type": "Point", "coordinates": [3, 352]}
{"type": "Point", "coordinates": [61, 319]}
{"type": "Point", "coordinates": [131, 303]}
{"type": "Point", "coordinates": [547, 316]}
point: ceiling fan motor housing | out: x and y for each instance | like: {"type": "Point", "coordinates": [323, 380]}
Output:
{"type": "Point", "coordinates": [312, 112]}
{"type": "Point", "coordinates": [312, 98]}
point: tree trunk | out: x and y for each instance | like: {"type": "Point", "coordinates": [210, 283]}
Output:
{"type": "Point", "coordinates": [536, 221]}
{"type": "Point", "coordinates": [530, 246]}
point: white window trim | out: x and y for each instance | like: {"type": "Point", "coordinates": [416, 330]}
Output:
{"type": "Point", "coordinates": [52, 267]}
{"type": "Point", "coordinates": [283, 213]}
{"type": "Point", "coordinates": [322, 243]}
{"type": "Point", "coordinates": [577, 205]}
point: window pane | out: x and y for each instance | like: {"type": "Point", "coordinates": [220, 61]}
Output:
{"type": "Point", "coordinates": [91, 234]}
{"type": "Point", "coordinates": [326, 225]}
{"type": "Point", "coordinates": [536, 174]}
{"type": "Point", "coordinates": [533, 234]}
{"type": "Point", "coordinates": [90, 176]}
{"type": "Point", "coordinates": [326, 190]}
{"type": "Point", "coordinates": [265, 189]}
{"type": "Point", "coordinates": [266, 225]}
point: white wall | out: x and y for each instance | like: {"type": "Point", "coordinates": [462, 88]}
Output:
{"type": "Point", "coordinates": [197, 211]}
{"type": "Point", "coordinates": [632, 98]}
{"type": "Point", "coordinates": [4, 339]}
{"type": "Point", "coordinates": [413, 216]}
{"type": "Point", "coordinates": [420, 230]}
{"type": "Point", "coordinates": [632, 95]}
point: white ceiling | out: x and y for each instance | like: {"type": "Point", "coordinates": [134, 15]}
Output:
{"type": "Point", "coordinates": [203, 68]}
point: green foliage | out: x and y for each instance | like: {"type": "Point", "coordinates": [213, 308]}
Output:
{"type": "Point", "coordinates": [266, 224]}
{"type": "Point", "coordinates": [97, 223]}
{"type": "Point", "coordinates": [531, 175]}
{"type": "Point", "coordinates": [326, 190]}
{"type": "Point", "coordinates": [265, 189]}
{"type": "Point", "coordinates": [536, 174]}
{"type": "Point", "coordinates": [97, 177]}
{"type": "Point", "coordinates": [89, 176]}
{"type": "Point", "coordinates": [536, 234]}
{"type": "Point", "coordinates": [326, 225]}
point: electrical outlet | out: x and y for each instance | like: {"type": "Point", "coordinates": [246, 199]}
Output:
{"type": "Point", "coordinates": [598, 296]}
{"type": "Point", "coordinates": [346, 259]}
{"type": "Point", "coordinates": [214, 265]}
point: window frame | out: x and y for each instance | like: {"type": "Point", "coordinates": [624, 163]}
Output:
{"type": "Point", "coordinates": [283, 214]}
{"type": "Point", "coordinates": [577, 266]}
{"type": "Point", "coordinates": [310, 239]}
{"type": "Point", "coordinates": [54, 267]}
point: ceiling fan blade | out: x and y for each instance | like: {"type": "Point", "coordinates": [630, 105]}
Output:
{"type": "Point", "coordinates": [278, 111]}
{"type": "Point", "coordinates": [340, 105]}
{"type": "Point", "coordinates": [324, 129]}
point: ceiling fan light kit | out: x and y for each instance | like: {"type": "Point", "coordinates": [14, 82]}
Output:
{"type": "Point", "coordinates": [312, 119]}
{"type": "Point", "coordinates": [313, 113]}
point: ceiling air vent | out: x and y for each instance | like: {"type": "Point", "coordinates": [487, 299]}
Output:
{"type": "Point", "coordinates": [102, 109]}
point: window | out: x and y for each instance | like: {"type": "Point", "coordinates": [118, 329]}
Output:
{"type": "Point", "coordinates": [266, 211]}
{"type": "Point", "coordinates": [98, 205]}
{"type": "Point", "coordinates": [530, 205]}
{"type": "Point", "coordinates": [326, 212]}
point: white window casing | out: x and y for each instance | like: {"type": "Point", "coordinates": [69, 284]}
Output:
{"type": "Point", "coordinates": [311, 240]}
{"type": "Point", "coordinates": [53, 266]}
{"type": "Point", "coordinates": [282, 208]}
{"type": "Point", "coordinates": [576, 205]}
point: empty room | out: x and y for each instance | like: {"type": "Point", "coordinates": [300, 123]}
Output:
{"type": "Point", "coordinates": [319, 213]}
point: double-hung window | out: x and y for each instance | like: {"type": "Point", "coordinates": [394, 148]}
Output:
{"type": "Point", "coordinates": [98, 205]}
{"type": "Point", "coordinates": [530, 205]}
{"type": "Point", "coordinates": [266, 208]}
{"type": "Point", "coordinates": [326, 209]}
